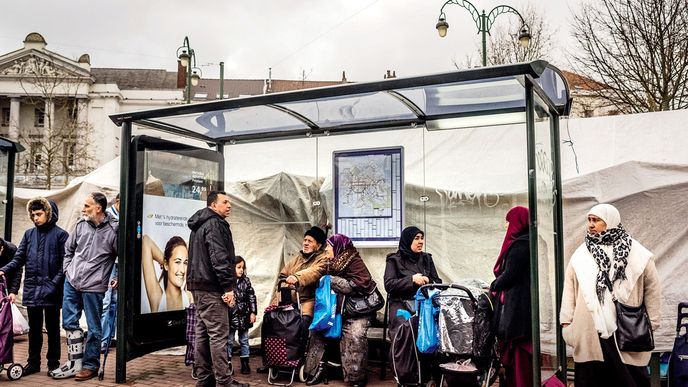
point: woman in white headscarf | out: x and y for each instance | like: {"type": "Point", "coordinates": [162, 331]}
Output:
{"type": "Point", "coordinates": [609, 265]}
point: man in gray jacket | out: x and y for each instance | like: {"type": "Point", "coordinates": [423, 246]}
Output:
{"type": "Point", "coordinates": [90, 253]}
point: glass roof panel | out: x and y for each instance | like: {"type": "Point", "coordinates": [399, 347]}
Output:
{"type": "Point", "coordinates": [469, 96]}
{"type": "Point", "coordinates": [353, 109]}
{"type": "Point", "coordinates": [231, 122]}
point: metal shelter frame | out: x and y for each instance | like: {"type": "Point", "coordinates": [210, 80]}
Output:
{"type": "Point", "coordinates": [518, 93]}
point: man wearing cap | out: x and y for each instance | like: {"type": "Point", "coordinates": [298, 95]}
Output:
{"type": "Point", "coordinates": [304, 271]}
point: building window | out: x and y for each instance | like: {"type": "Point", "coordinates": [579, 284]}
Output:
{"type": "Point", "coordinates": [35, 157]}
{"type": "Point", "coordinates": [73, 110]}
{"type": "Point", "coordinates": [69, 151]}
{"type": "Point", "coordinates": [39, 118]}
{"type": "Point", "coordinates": [5, 116]}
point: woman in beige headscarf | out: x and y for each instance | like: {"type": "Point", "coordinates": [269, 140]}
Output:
{"type": "Point", "coordinates": [609, 265]}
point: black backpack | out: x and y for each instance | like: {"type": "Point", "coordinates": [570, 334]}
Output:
{"type": "Point", "coordinates": [404, 355]}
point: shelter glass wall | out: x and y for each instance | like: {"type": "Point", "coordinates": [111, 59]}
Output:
{"type": "Point", "coordinates": [458, 187]}
{"type": "Point", "coordinates": [546, 247]}
{"type": "Point", "coordinates": [4, 170]}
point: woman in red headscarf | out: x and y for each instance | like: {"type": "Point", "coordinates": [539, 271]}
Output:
{"type": "Point", "coordinates": [511, 290]}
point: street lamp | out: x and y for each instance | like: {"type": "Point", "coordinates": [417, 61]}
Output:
{"type": "Point", "coordinates": [187, 58]}
{"type": "Point", "coordinates": [483, 22]}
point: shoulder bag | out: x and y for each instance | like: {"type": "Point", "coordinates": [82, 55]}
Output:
{"type": "Point", "coordinates": [362, 305]}
{"type": "Point", "coordinates": [633, 329]}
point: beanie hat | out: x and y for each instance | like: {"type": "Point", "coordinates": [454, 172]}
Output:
{"type": "Point", "coordinates": [316, 233]}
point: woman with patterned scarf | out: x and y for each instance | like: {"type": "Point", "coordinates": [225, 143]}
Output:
{"type": "Point", "coordinates": [608, 266]}
{"type": "Point", "coordinates": [349, 275]}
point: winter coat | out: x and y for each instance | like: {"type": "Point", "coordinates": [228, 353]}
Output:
{"type": "Point", "coordinates": [90, 253]}
{"type": "Point", "coordinates": [307, 269]}
{"type": "Point", "coordinates": [400, 270]}
{"type": "Point", "coordinates": [41, 253]}
{"type": "Point", "coordinates": [211, 253]}
{"type": "Point", "coordinates": [13, 277]}
{"type": "Point", "coordinates": [512, 317]}
{"type": "Point", "coordinates": [352, 278]}
{"type": "Point", "coordinates": [581, 333]}
{"type": "Point", "coordinates": [245, 296]}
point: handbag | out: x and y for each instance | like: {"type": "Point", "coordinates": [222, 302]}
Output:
{"type": "Point", "coordinates": [365, 304]}
{"type": "Point", "coordinates": [633, 329]}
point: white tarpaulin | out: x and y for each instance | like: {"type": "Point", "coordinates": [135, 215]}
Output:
{"type": "Point", "coordinates": [471, 178]}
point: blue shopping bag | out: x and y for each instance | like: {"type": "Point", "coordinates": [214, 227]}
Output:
{"type": "Point", "coordinates": [428, 333]}
{"type": "Point", "coordinates": [335, 331]}
{"type": "Point", "coordinates": [325, 311]}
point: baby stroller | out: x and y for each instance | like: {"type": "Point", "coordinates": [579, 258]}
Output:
{"type": "Point", "coordinates": [465, 334]}
{"type": "Point", "coordinates": [678, 363]}
{"type": "Point", "coordinates": [282, 338]}
{"type": "Point", "coordinates": [14, 371]}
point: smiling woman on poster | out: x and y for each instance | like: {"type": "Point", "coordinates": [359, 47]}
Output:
{"type": "Point", "coordinates": [167, 292]}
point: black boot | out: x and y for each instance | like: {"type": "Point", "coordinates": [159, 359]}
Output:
{"type": "Point", "coordinates": [320, 375]}
{"type": "Point", "coordinates": [245, 367]}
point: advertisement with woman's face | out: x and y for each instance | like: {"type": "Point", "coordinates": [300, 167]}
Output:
{"type": "Point", "coordinates": [176, 187]}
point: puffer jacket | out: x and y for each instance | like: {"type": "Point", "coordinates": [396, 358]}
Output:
{"type": "Point", "coordinates": [13, 277]}
{"type": "Point", "coordinates": [41, 253]}
{"type": "Point", "coordinates": [90, 253]}
{"type": "Point", "coordinates": [211, 253]}
{"type": "Point", "coordinates": [245, 296]}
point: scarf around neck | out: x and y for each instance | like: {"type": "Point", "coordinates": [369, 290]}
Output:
{"type": "Point", "coordinates": [621, 242]}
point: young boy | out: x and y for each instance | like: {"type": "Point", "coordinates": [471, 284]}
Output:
{"type": "Point", "coordinates": [42, 251]}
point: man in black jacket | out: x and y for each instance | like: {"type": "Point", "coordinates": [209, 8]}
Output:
{"type": "Point", "coordinates": [211, 278]}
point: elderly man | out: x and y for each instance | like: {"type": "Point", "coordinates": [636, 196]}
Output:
{"type": "Point", "coordinates": [211, 279]}
{"type": "Point", "coordinates": [90, 253]}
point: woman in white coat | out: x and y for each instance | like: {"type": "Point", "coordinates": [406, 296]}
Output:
{"type": "Point", "coordinates": [609, 265]}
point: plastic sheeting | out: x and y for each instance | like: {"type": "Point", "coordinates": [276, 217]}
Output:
{"type": "Point", "coordinates": [472, 177]}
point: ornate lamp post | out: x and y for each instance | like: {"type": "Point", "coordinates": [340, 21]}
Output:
{"type": "Point", "coordinates": [187, 58]}
{"type": "Point", "coordinates": [484, 22]}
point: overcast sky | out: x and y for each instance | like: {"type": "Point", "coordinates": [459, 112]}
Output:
{"type": "Point", "coordinates": [319, 37]}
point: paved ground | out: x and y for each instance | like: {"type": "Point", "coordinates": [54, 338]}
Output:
{"type": "Point", "coordinates": [149, 370]}
{"type": "Point", "coordinates": [154, 370]}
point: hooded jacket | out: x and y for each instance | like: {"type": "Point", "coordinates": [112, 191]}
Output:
{"type": "Point", "coordinates": [90, 253]}
{"type": "Point", "coordinates": [13, 277]}
{"type": "Point", "coordinates": [211, 253]}
{"type": "Point", "coordinates": [41, 252]}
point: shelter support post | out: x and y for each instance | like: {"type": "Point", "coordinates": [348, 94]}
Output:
{"type": "Point", "coordinates": [124, 248]}
{"type": "Point", "coordinates": [532, 207]}
{"type": "Point", "coordinates": [9, 197]}
{"type": "Point", "coordinates": [559, 246]}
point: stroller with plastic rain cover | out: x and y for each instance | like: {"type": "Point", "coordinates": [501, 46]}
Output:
{"type": "Point", "coordinates": [283, 340]}
{"type": "Point", "coordinates": [14, 370]}
{"type": "Point", "coordinates": [467, 344]}
{"type": "Point", "coordinates": [678, 362]}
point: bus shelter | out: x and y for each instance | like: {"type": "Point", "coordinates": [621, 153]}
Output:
{"type": "Point", "coordinates": [449, 152]}
{"type": "Point", "coordinates": [8, 157]}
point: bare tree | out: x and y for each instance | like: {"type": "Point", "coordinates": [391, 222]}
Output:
{"type": "Point", "coordinates": [637, 50]}
{"type": "Point", "coordinates": [59, 141]}
{"type": "Point", "coordinates": [503, 46]}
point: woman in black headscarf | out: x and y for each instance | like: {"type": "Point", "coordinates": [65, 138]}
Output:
{"type": "Point", "coordinates": [407, 270]}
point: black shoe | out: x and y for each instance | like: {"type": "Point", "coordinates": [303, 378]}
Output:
{"type": "Point", "coordinates": [234, 383]}
{"type": "Point", "coordinates": [262, 370]}
{"type": "Point", "coordinates": [320, 375]}
{"type": "Point", "coordinates": [245, 367]}
{"type": "Point", "coordinates": [31, 369]}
